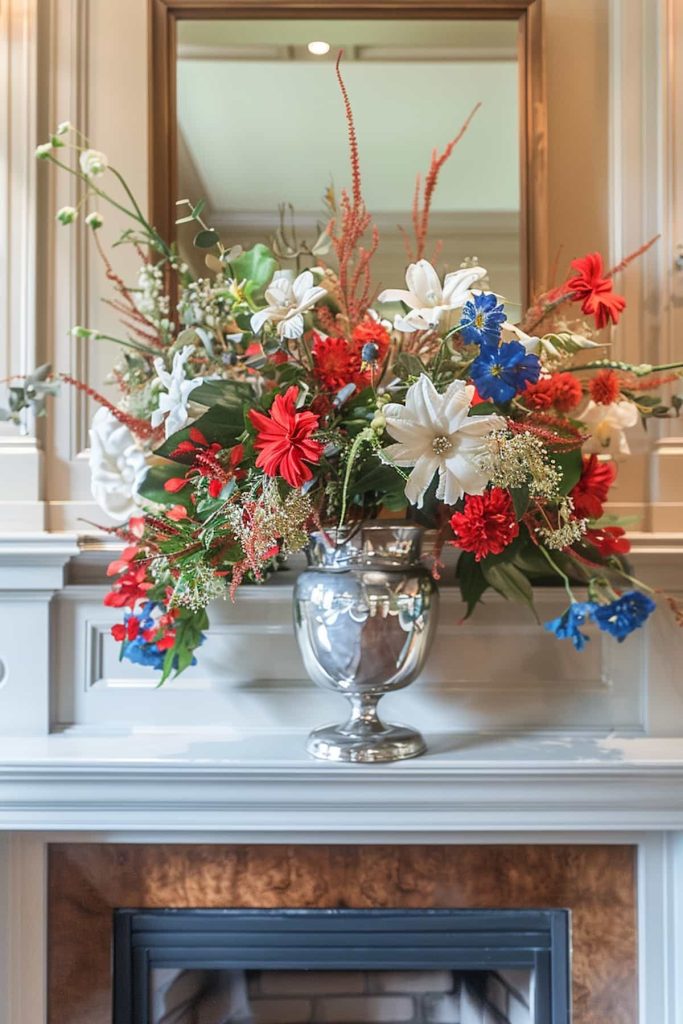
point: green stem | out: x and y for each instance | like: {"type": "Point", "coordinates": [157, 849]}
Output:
{"type": "Point", "coordinates": [555, 567]}
{"type": "Point", "coordinates": [127, 344]}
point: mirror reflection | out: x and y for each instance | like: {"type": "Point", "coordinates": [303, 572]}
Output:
{"type": "Point", "coordinates": [259, 112]}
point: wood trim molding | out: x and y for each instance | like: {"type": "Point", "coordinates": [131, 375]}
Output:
{"type": "Point", "coordinates": [165, 14]}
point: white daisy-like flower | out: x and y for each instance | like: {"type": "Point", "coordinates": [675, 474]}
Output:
{"type": "Point", "coordinates": [436, 434]}
{"type": "Point", "coordinates": [288, 299]}
{"type": "Point", "coordinates": [173, 404]}
{"type": "Point", "coordinates": [117, 465]}
{"type": "Point", "coordinates": [607, 424]}
{"type": "Point", "coordinates": [93, 163]}
{"type": "Point", "coordinates": [428, 299]}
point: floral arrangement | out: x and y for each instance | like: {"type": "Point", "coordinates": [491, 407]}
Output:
{"type": "Point", "coordinates": [273, 395]}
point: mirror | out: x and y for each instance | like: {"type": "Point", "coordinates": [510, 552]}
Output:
{"type": "Point", "coordinates": [256, 128]}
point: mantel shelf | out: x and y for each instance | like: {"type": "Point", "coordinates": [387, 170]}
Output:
{"type": "Point", "coordinates": [266, 786]}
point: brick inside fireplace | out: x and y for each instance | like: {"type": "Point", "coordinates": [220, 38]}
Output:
{"type": "Point", "coordinates": [88, 882]}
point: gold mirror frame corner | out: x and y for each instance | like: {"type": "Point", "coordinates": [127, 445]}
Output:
{"type": "Point", "coordinates": [164, 16]}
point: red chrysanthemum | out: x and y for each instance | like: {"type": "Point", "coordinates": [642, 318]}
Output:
{"type": "Point", "coordinates": [567, 392]}
{"type": "Point", "coordinates": [594, 291]}
{"type": "Point", "coordinates": [604, 388]}
{"type": "Point", "coordinates": [561, 391]}
{"type": "Point", "coordinates": [609, 540]}
{"type": "Point", "coordinates": [590, 493]}
{"type": "Point", "coordinates": [487, 524]}
{"type": "Point", "coordinates": [335, 364]}
{"type": "Point", "coordinates": [284, 439]}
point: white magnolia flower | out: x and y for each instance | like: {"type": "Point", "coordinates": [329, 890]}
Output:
{"type": "Point", "coordinates": [93, 163]}
{"type": "Point", "coordinates": [173, 404]}
{"type": "Point", "coordinates": [288, 299]}
{"type": "Point", "coordinates": [117, 465]}
{"type": "Point", "coordinates": [436, 435]}
{"type": "Point", "coordinates": [607, 424]}
{"type": "Point", "coordinates": [426, 296]}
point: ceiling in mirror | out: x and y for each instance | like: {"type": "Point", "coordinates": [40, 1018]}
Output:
{"type": "Point", "coordinates": [262, 117]}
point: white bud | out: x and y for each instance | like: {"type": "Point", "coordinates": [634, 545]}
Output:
{"type": "Point", "coordinates": [83, 332]}
{"type": "Point", "coordinates": [93, 163]}
{"type": "Point", "coordinates": [63, 127]}
{"type": "Point", "coordinates": [94, 220]}
{"type": "Point", "coordinates": [67, 215]}
{"type": "Point", "coordinates": [43, 151]}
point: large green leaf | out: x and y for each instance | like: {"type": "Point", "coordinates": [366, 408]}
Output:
{"type": "Point", "coordinates": [511, 582]}
{"type": "Point", "coordinates": [570, 465]}
{"type": "Point", "coordinates": [228, 393]}
{"type": "Point", "coordinates": [473, 583]}
{"type": "Point", "coordinates": [221, 423]}
{"type": "Point", "coordinates": [256, 267]}
{"type": "Point", "coordinates": [152, 487]}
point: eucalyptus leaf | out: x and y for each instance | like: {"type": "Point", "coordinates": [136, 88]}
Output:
{"type": "Point", "coordinates": [206, 239]}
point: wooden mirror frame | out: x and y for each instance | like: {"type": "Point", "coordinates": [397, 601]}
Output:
{"type": "Point", "coordinates": [164, 16]}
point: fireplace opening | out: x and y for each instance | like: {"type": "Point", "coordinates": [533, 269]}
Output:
{"type": "Point", "coordinates": [341, 966]}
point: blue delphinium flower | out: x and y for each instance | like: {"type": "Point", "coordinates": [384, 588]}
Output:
{"type": "Point", "coordinates": [566, 627]}
{"type": "Point", "coordinates": [501, 373]}
{"type": "Point", "coordinates": [482, 319]}
{"type": "Point", "coordinates": [146, 652]}
{"type": "Point", "coordinates": [628, 612]}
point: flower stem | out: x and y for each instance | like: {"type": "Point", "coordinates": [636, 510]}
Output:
{"type": "Point", "coordinates": [555, 567]}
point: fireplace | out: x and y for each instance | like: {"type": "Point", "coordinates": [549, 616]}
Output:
{"type": "Point", "coordinates": [350, 966]}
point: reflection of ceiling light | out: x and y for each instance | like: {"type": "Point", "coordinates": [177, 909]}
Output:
{"type": "Point", "coordinates": [318, 48]}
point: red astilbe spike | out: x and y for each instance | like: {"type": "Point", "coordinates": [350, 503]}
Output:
{"type": "Point", "coordinates": [422, 205]}
{"type": "Point", "coordinates": [347, 230]}
{"type": "Point", "coordinates": [549, 437]}
{"type": "Point", "coordinates": [142, 429]}
{"type": "Point", "coordinates": [125, 306]}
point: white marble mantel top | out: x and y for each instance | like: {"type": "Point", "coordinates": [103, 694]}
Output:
{"type": "Point", "coordinates": [265, 785]}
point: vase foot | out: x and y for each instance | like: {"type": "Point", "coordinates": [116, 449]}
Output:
{"type": "Point", "coordinates": [390, 743]}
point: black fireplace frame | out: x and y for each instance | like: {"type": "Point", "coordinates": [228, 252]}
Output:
{"type": "Point", "coordinates": [341, 940]}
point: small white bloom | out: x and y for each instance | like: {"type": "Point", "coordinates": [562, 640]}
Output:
{"type": "Point", "coordinates": [173, 404]}
{"type": "Point", "coordinates": [607, 424]}
{"type": "Point", "coordinates": [63, 127]}
{"type": "Point", "coordinates": [84, 332]}
{"type": "Point", "coordinates": [117, 465]}
{"type": "Point", "coordinates": [94, 220]}
{"type": "Point", "coordinates": [67, 214]}
{"type": "Point", "coordinates": [93, 163]}
{"type": "Point", "coordinates": [428, 298]}
{"type": "Point", "coordinates": [288, 300]}
{"type": "Point", "coordinates": [435, 434]}
{"type": "Point", "coordinates": [43, 151]}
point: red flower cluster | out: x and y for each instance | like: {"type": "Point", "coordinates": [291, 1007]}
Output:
{"type": "Point", "coordinates": [590, 493]}
{"type": "Point", "coordinates": [487, 524]}
{"type": "Point", "coordinates": [594, 291]}
{"type": "Point", "coordinates": [132, 586]}
{"type": "Point", "coordinates": [207, 463]}
{"type": "Point", "coordinates": [339, 362]}
{"type": "Point", "coordinates": [604, 388]}
{"type": "Point", "coordinates": [284, 439]}
{"type": "Point", "coordinates": [561, 391]}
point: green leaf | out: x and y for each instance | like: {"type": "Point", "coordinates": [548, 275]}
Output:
{"type": "Point", "coordinates": [473, 583]}
{"type": "Point", "coordinates": [221, 423]}
{"type": "Point", "coordinates": [197, 209]}
{"type": "Point", "coordinates": [570, 465]}
{"type": "Point", "coordinates": [520, 500]}
{"type": "Point", "coordinates": [206, 239]}
{"type": "Point", "coordinates": [229, 393]}
{"type": "Point", "coordinates": [407, 365]}
{"type": "Point", "coordinates": [509, 581]}
{"type": "Point", "coordinates": [152, 487]}
{"type": "Point", "coordinates": [483, 409]}
{"type": "Point", "coordinates": [256, 266]}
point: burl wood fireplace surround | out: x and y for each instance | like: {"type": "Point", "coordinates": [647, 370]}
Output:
{"type": "Point", "coordinates": [88, 881]}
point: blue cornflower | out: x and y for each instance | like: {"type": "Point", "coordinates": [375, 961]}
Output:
{"type": "Point", "coordinates": [627, 613]}
{"type": "Point", "coordinates": [482, 319]}
{"type": "Point", "coordinates": [501, 373]}
{"type": "Point", "coordinates": [567, 626]}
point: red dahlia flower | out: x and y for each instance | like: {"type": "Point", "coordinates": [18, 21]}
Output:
{"type": "Point", "coordinates": [590, 493]}
{"type": "Point", "coordinates": [594, 291]}
{"type": "Point", "coordinates": [284, 439]}
{"type": "Point", "coordinates": [335, 363]}
{"type": "Point", "coordinates": [561, 390]}
{"type": "Point", "coordinates": [487, 524]}
{"type": "Point", "coordinates": [371, 330]}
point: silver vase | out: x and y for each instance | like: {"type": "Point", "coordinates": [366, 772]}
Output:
{"type": "Point", "coordinates": [365, 613]}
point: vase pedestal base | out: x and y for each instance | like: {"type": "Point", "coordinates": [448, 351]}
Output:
{"type": "Point", "coordinates": [344, 743]}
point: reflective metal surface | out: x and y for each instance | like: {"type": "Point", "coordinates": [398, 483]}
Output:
{"type": "Point", "coordinates": [365, 612]}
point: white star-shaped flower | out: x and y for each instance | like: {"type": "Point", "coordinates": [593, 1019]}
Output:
{"type": "Point", "coordinates": [288, 299]}
{"type": "Point", "coordinates": [436, 434]}
{"type": "Point", "coordinates": [173, 404]}
{"type": "Point", "coordinates": [607, 424]}
{"type": "Point", "coordinates": [428, 298]}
